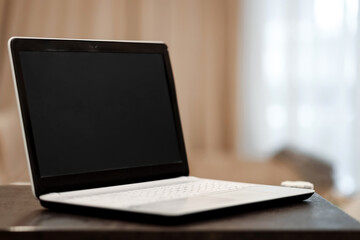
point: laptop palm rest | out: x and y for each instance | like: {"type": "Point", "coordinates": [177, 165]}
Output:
{"type": "Point", "coordinates": [205, 203]}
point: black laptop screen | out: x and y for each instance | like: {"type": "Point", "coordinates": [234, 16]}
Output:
{"type": "Point", "coordinates": [99, 111]}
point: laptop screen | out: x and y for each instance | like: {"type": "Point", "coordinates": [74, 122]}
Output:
{"type": "Point", "coordinates": [98, 111]}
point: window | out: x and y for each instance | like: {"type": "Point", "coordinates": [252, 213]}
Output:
{"type": "Point", "coordinates": [300, 82]}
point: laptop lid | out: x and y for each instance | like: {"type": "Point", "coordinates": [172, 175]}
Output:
{"type": "Point", "coordinates": [97, 113]}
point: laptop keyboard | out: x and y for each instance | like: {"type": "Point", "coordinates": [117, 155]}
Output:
{"type": "Point", "coordinates": [158, 193]}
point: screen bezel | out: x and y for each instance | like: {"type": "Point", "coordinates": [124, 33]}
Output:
{"type": "Point", "coordinates": [43, 185]}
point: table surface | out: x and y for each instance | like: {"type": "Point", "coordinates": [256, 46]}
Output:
{"type": "Point", "coordinates": [21, 216]}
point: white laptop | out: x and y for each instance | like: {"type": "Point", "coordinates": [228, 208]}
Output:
{"type": "Point", "coordinates": [102, 133]}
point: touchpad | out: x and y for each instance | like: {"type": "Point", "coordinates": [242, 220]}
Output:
{"type": "Point", "coordinates": [186, 205]}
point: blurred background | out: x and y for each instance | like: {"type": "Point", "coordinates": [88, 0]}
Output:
{"type": "Point", "coordinates": [268, 90]}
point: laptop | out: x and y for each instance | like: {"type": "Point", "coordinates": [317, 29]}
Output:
{"type": "Point", "coordinates": [102, 133]}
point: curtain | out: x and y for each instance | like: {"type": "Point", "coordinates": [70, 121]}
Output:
{"type": "Point", "coordinates": [201, 36]}
{"type": "Point", "coordinates": [300, 82]}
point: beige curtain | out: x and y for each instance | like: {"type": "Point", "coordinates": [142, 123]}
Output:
{"type": "Point", "coordinates": [201, 35]}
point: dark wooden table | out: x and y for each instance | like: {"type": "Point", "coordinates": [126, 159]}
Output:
{"type": "Point", "coordinates": [22, 217]}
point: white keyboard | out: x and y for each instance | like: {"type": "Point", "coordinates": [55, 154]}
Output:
{"type": "Point", "coordinates": [158, 193]}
